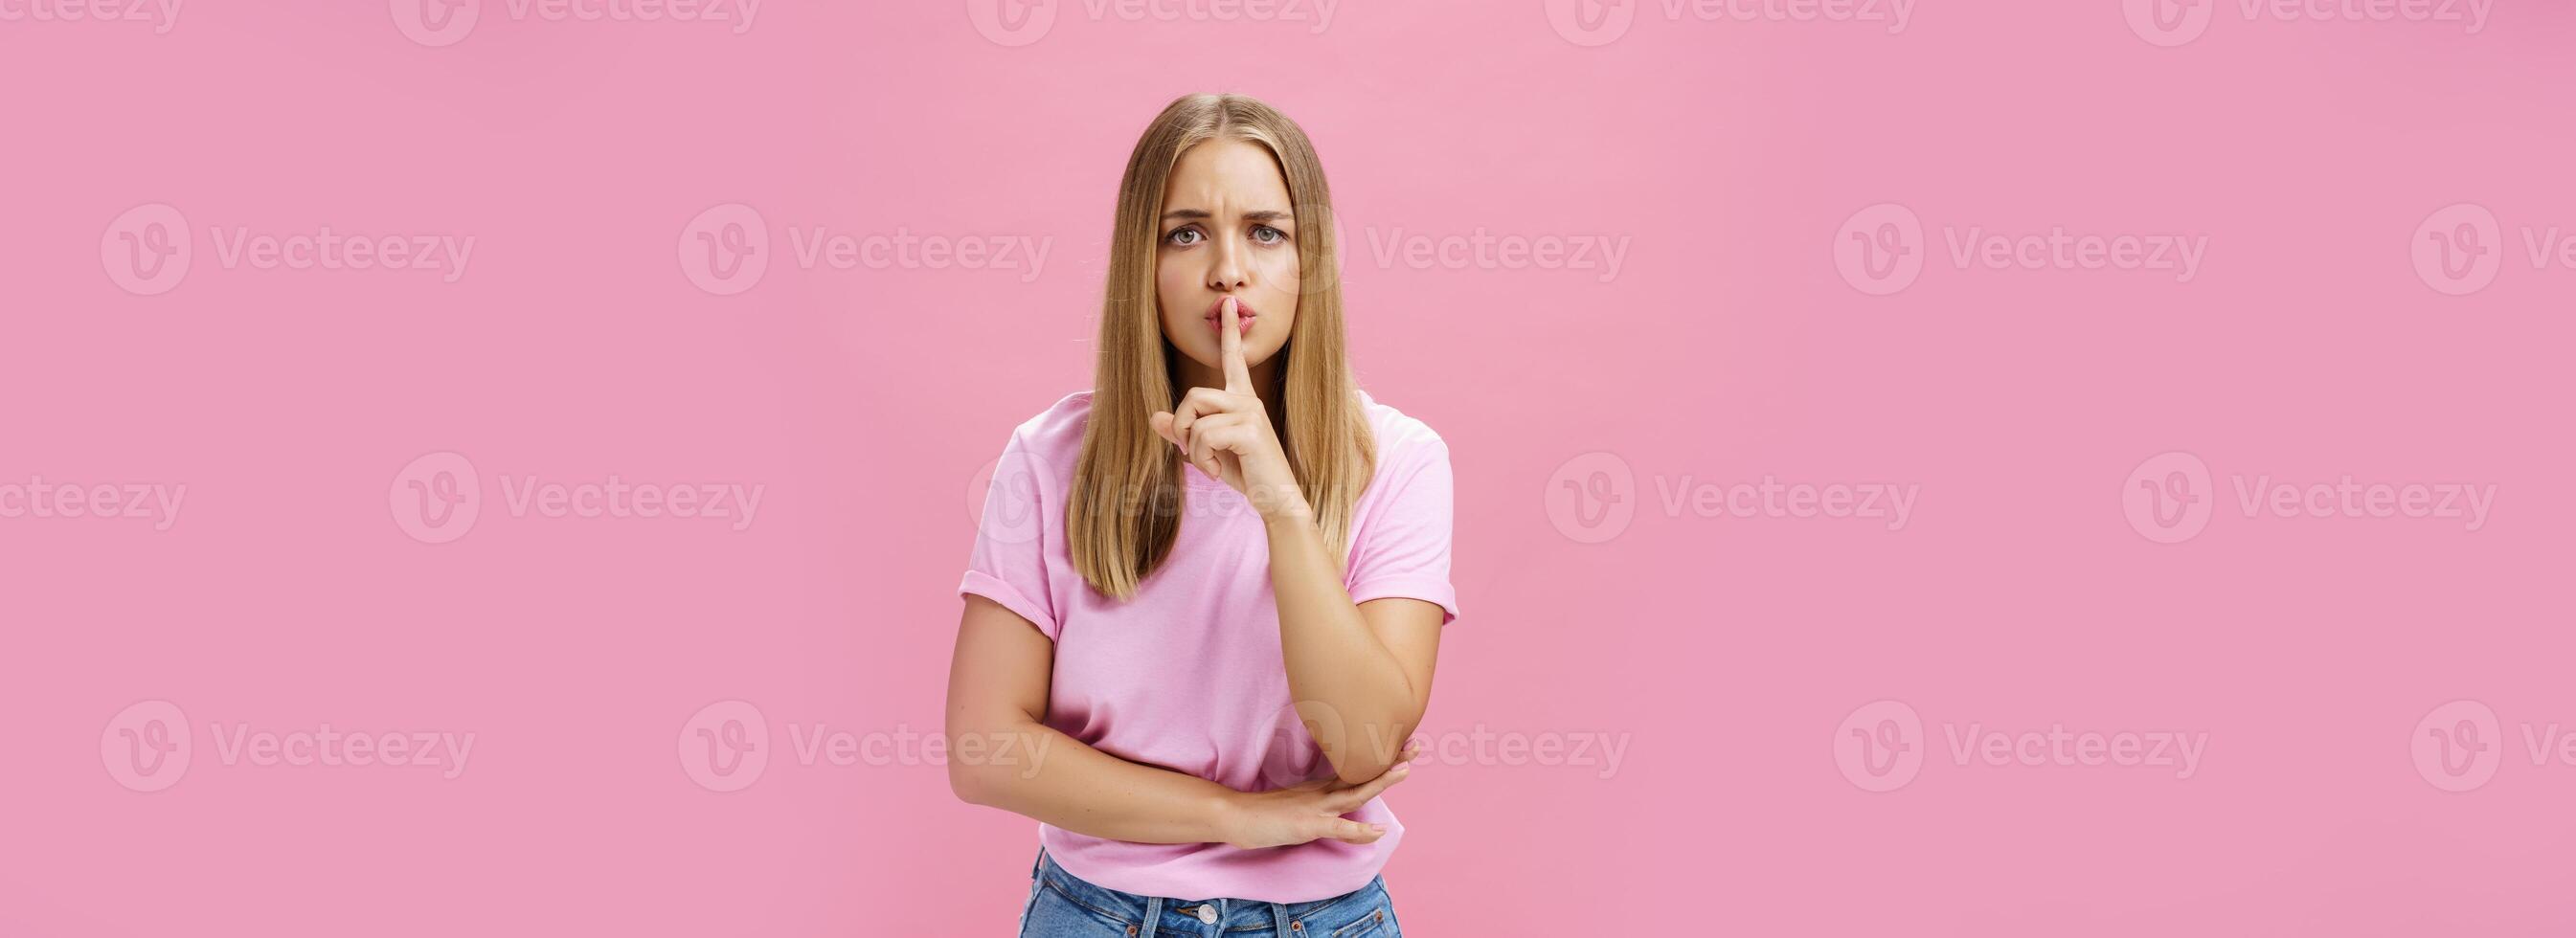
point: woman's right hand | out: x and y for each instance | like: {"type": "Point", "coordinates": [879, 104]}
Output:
{"type": "Point", "coordinates": [1311, 810]}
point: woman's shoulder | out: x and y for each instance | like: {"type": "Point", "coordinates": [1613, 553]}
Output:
{"type": "Point", "coordinates": [1054, 435]}
{"type": "Point", "coordinates": [1402, 439]}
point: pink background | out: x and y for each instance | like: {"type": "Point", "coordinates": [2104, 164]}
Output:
{"type": "Point", "coordinates": [1728, 652]}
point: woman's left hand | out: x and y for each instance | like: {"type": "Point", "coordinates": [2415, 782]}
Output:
{"type": "Point", "coordinates": [1227, 433]}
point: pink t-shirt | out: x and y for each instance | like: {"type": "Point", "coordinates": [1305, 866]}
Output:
{"type": "Point", "coordinates": [1188, 675]}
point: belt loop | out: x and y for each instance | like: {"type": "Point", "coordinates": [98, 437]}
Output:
{"type": "Point", "coordinates": [1153, 917]}
{"type": "Point", "coordinates": [1279, 920]}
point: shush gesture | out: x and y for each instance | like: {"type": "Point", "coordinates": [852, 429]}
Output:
{"type": "Point", "coordinates": [1227, 433]}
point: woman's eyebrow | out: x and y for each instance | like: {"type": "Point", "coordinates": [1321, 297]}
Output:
{"type": "Point", "coordinates": [1194, 214]}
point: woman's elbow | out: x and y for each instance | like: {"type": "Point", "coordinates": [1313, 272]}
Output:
{"type": "Point", "coordinates": [966, 783]}
{"type": "Point", "coordinates": [1374, 750]}
{"type": "Point", "coordinates": [971, 780]}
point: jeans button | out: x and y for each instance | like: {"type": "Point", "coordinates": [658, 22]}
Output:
{"type": "Point", "coordinates": [1207, 914]}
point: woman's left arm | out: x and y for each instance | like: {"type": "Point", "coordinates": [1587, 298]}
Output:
{"type": "Point", "coordinates": [1361, 673]}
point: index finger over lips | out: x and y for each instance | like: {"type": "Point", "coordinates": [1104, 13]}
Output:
{"type": "Point", "coordinates": [1238, 376]}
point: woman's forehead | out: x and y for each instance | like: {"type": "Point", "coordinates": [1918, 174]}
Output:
{"type": "Point", "coordinates": [1222, 175]}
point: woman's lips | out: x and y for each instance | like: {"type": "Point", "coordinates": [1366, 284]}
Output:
{"type": "Point", "coordinates": [1242, 315]}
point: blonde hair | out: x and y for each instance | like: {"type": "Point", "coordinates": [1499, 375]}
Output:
{"type": "Point", "coordinates": [1123, 514]}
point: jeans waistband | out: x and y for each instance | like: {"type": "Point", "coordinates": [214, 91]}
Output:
{"type": "Point", "coordinates": [1247, 913]}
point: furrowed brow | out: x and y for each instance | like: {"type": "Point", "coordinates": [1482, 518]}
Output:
{"type": "Point", "coordinates": [1198, 214]}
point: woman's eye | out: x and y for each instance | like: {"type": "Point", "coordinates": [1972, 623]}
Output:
{"type": "Point", "coordinates": [1268, 235]}
{"type": "Point", "coordinates": [1183, 238]}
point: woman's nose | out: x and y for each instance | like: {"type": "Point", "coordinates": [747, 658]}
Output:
{"type": "Point", "coordinates": [1226, 270]}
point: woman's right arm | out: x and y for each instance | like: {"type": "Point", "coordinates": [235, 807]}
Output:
{"type": "Point", "coordinates": [1002, 754]}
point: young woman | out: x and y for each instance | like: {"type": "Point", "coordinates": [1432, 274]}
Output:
{"type": "Point", "coordinates": [1205, 601]}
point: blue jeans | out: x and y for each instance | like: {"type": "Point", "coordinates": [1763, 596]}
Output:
{"type": "Point", "coordinates": [1062, 906]}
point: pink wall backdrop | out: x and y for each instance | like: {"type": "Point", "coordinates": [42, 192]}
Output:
{"type": "Point", "coordinates": [2023, 468]}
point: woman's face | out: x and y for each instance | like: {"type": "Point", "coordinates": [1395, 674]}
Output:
{"type": "Point", "coordinates": [1227, 229]}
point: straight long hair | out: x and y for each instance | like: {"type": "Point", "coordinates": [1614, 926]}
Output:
{"type": "Point", "coordinates": [1125, 510]}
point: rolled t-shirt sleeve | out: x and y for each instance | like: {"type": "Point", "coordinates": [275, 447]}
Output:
{"type": "Point", "coordinates": [1009, 564]}
{"type": "Point", "coordinates": [1402, 550]}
